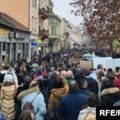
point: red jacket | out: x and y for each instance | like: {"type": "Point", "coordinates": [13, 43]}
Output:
{"type": "Point", "coordinates": [116, 82]}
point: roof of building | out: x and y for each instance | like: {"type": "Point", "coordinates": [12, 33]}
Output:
{"type": "Point", "coordinates": [11, 22]}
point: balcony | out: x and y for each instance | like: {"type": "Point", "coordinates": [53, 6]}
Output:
{"type": "Point", "coordinates": [43, 33]}
{"type": "Point", "coordinates": [43, 13]}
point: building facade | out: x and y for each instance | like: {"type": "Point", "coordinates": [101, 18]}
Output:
{"type": "Point", "coordinates": [54, 30]}
{"type": "Point", "coordinates": [63, 33]}
{"type": "Point", "coordinates": [14, 39]}
{"type": "Point", "coordinates": [43, 25]}
{"type": "Point", "coordinates": [26, 13]}
{"type": "Point", "coordinates": [75, 39]}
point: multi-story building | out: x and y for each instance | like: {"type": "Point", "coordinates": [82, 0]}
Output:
{"type": "Point", "coordinates": [63, 34]}
{"type": "Point", "coordinates": [70, 35]}
{"type": "Point", "coordinates": [14, 39]}
{"type": "Point", "coordinates": [26, 13]}
{"type": "Point", "coordinates": [43, 24]}
{"type": "Point", "coordinates": [54, 30]}
{"type": "Point", "coordinates": [75, 37]}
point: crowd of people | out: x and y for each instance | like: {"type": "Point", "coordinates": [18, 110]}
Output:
{"type": "Point", "coordinates": [49, 87]}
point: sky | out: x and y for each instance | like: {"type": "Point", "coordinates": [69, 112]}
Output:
{"type": "Point", "coordinates": [63, 9]}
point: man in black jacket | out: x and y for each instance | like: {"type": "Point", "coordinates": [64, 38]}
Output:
{"type": "Point", "coordinates": [72, 103]}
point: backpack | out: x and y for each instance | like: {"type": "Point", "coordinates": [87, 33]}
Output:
{"type": "Point", "coordinates": [28, 105]}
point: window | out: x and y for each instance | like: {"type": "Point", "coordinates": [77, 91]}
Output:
{"type": "Point", "coordinates": [54, 30]}
{"type": "Point", "coordinates": [4, 46]}
{"type": "Point", "coordinates": [34, 3]}
{"type": "Point", "coordinates": [35, 24]}
{"type": "Point", "coordinates": [32, 22]}
{"type": "Point", "coordinates": [50, 10]}
{"type": "Point", "coordinates": [4, 32]}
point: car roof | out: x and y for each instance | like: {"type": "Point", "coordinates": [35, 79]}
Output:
{"type": "Point", "coordinates": [87, 55]}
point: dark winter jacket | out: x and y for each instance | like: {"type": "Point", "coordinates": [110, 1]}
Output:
{"type": "Point", "coordinates": [109, 96]}
{"type": "Point", "coordinates": [92, 84]}
{"type": "Point", "coordinates": [85, 91]}
{"type": "Point", "coordinates": [71, 104]}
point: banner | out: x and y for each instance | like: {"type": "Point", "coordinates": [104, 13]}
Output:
{"type": "Point", "coordinates": [107, 62]}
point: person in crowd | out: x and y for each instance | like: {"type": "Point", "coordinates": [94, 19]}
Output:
{"type": "Point", "coordinates": [83, 87]}
{"type": "Point", "coordinates": [26, 83]}
{"type": "Point", "coordinates": [72, 103]}
{"type": "Point", "coordinates": [34, 95]}
{"type": "Point", "coordinates": [69, 76]}
{"type": "Point", "coordinates": [109, 94]}
{"type": "Point", "coordinates": [89, 110]}
{"type": "Point", "coordinates": [117, 72]}
{"type": "Point", "coordinates": [110, 73]}
{"type": "Point", "coordinates": [100, 67]}
{"type": "Point", "coordinates": [92, 83]}
{"type": "Point", "coordinates": [20, 77]}
{"type": "Point", "coordinates": [111, 77]}
{"type": "Point", "coordinates": [10, 71]}
{"type": "Point", "coordinates": [23, 69]}
{"type": "Point", "coordinates": [100, 77]}
{"type": "Point", "coordinates": [57, 93]}
{"type": "Point", "coordinates": [95, 72]}
{"type": "Point", "coordinates": [8, 92]}
{"type": "Point", "coordinates": [3, 72]}
{"type": "Point", "coordinates": [27, 115]}
{"type": "Point", "coordinates": [51, 73]}
{"type": "Point", "coordinates": [116, 82]}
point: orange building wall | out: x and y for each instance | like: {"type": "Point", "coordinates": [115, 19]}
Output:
{"type": "Point", "coordinates": [18, 9]}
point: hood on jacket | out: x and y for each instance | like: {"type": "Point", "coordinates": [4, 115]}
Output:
{"type": "Point", "coordinates": [83, 113]}
{"type": "Point", "coordinates": [88, 109]}
{"type": "Point", "coordinates": [110, 91]}
{"type": "Point", "coordinates": [26, 92]}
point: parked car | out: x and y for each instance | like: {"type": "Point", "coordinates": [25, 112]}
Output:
{"type": "Point", "coordinates": [89, 57]}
